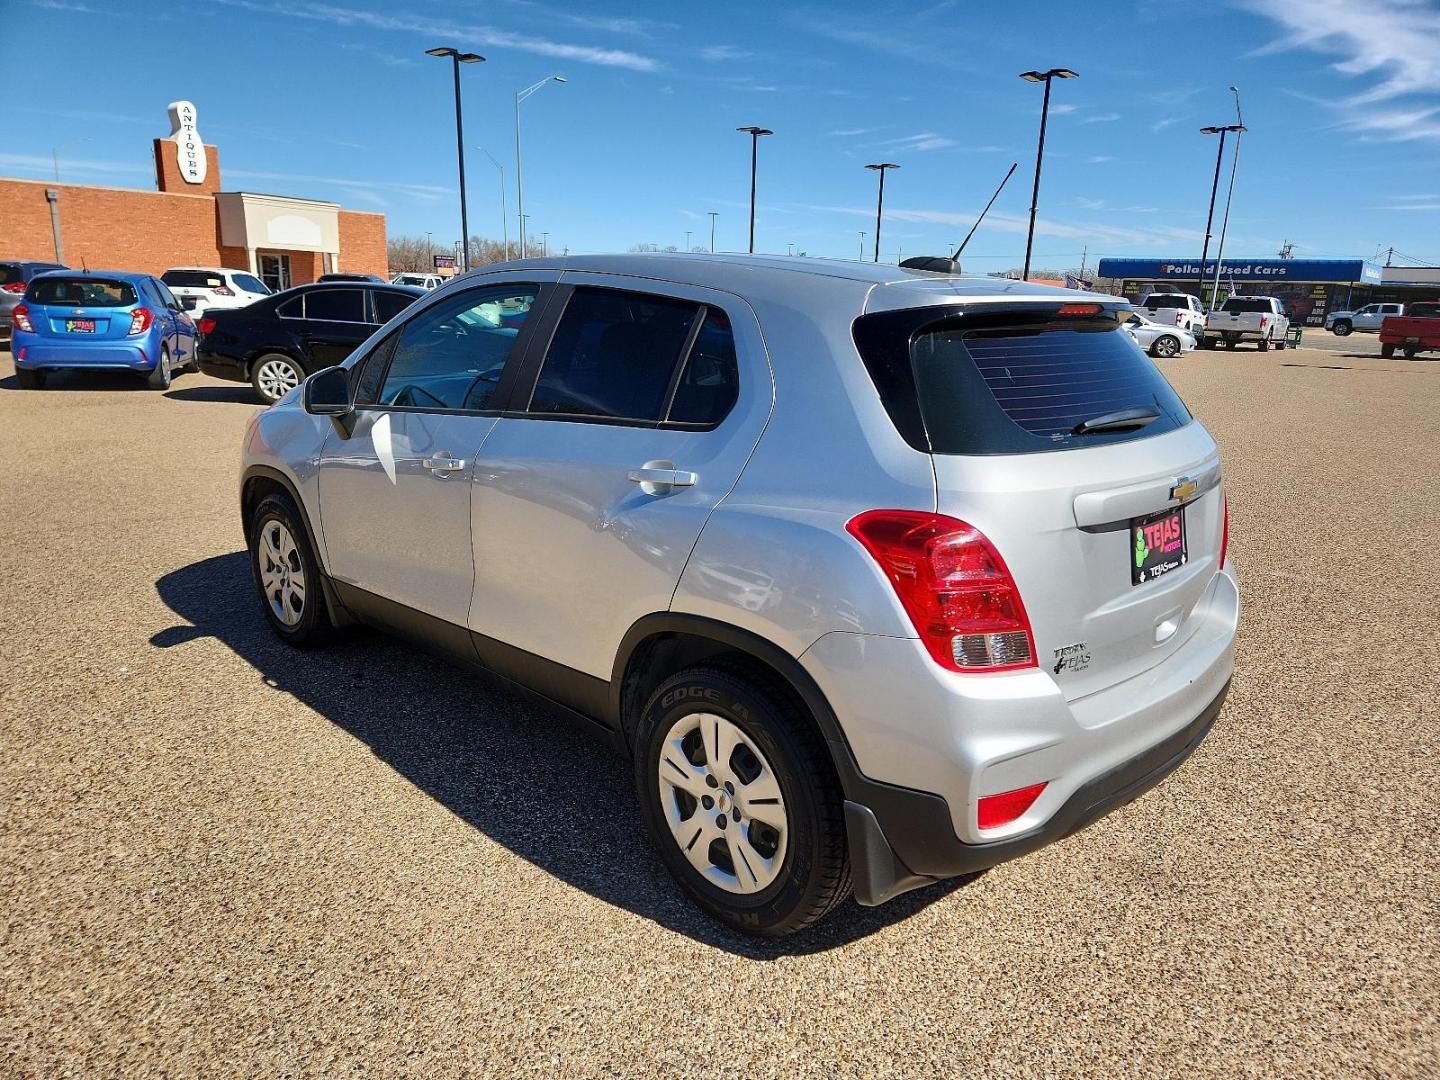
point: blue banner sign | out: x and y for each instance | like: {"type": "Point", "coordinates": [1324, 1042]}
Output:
{"type": "Point", "coordinates": [1342, 270]}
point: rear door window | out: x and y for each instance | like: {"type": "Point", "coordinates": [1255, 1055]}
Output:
{"type": "Point", "coordinates": [250, 283]}
{"type": "Point", "coordinates": [336, 305]}
{"type": "Point", "coordinates": [710, 382]}
{"type": "Point", "coordinates": [1014, 382]}
{"type": "Point", "coordinates": [81, 292]}
{"type": "Point", "coordinates": [614, 355]}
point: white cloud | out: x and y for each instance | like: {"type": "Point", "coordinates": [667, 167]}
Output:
{"type": "Point", "coordinates": [1101, 118]}
{"type": "Point", "coordinates": [1089, 204]}
{"type": "Point", "coordinates": [1396, 43]}
{"type": "Point", "coordinates": [369, 188]}
{"type": "Point", "coordinates": [844, 132]}
{"type": "Point", "coordinates": [463, 33]}
{"type": "Point", "coordinates": [1098, 159]}
{"type": "Point", "coordinates": [46, 165]}
{"type": "Point", "coordinates": [925, 140]}
{"type": "Point", "coordinates": [719, 53]}
{"type": "Point", "coordinates": [1062, 109]}
{"type": "Point", "coordinates": [1162, 124]}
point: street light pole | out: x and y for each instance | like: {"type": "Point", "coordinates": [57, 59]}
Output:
{"type": "Point", "coordinates": [862, 245]}
{"type": "Point", "coordinates": [1225, 221]}
{"type": "Point", "coordinates": [1046, 77]}
{"type": "Point", "coordinates": [459, 58]}
{"type": "Point", "coordinates": [1214, 190]}
{"type": "Point", "coordinates": [880, 202]}
{"type": "Point", "coordinates": [545, 244]}
{"type": "Point", "coordinates": [519, 168]}
{"type": "Point", "coordinates": [504, 212]}
{"type": "Point", "coordinates": [713, 215]}
{"type": "Point", "coordinates": [687, 241]}
{"type": "Point", "coordinates": [755, 133]}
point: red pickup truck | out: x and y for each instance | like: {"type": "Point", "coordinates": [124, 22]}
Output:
{"type": "Point", "coordinates": [1417, 331]}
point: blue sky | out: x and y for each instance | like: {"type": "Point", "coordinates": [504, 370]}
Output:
{"type": "Point", "coordinates": [336, 99]}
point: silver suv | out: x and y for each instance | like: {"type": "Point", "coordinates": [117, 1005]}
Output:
{"type": "Point", "coordinates": [879, 576]}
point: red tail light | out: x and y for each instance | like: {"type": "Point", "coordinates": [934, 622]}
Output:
{"type": "Point", "coordinates": [207, 324]}
{"type": "Point", "coordinates": [14, 286]}
{"type": "Point", "coordinates": [1078, 310]}
{"type": "Point", "coordinates": [21, 316]}
{"type": "Point", "coordinates": [224, 290]}
{"type": "Point", "coordinates": [996, 810]}
{"type": "Point", "coordinates": [1225, 532]}
{"type": "Point", "coordinates": [140, 320]}
{"type": "Point", "coordinates": [955, 587]}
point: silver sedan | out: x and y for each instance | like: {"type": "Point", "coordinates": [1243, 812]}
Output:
{"type": "Point", "coordinates": [1158, 339]}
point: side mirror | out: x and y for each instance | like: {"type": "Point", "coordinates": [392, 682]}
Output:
{"type": "Point", "coordinates": [327, 393]}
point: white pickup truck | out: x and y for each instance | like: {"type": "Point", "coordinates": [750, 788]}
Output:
{"type": "Point", "coordinates": [1366, 320]}
{"type": "Point", "coordinates": [1175, 309]}
{"type": "Point", "coordinates": [1260, 319]}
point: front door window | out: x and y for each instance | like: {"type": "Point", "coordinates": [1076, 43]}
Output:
{"type": "Point", "coordinates": [275, 271]}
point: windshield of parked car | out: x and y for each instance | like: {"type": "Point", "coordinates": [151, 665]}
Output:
{"type": "Point", "coordinates": [1241, 303]}
{"type": "Point", "coordinates": [80, 292]}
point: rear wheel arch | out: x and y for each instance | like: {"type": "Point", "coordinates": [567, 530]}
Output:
{"type": "Point", "coordinates": [660, 645]}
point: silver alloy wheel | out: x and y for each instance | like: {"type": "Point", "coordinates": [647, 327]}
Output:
{"type": "Point", "coordinates": [1166, 346]}
{"type": "Point", "coordinates": [722, 802]}
{"type": "Point", "coordinates": [282, 573]}
{"type": "Point", "coordinates": [277, 378]}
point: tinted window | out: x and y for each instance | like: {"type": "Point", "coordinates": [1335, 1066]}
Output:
{"type": "Point", "coordinates": [711, 379]}
{"type": "Point", "coordinates": [1169, 300]}
{"type": "Point", "coordinates": [1249, 305]}
{"type": "Point", "coordinates": [390, 304]}
{"type": "Point", "coordinates": [192, 279]}
{"type": "Point", "coordinates": [10, 273]}
{"type": "Point", "coordinates": [452, 355]}
{"type": "Point", "coordinates": [336, 305]}
{"type": "Point", "coordinates": [250, 283]}
{"type": "Point", "coordinates": [80, 292]}
{"type": "Point", "coordinates": [613, 354]}
{"type": "Point", "coordinates": [294, 308]}
{"type": "Point", "coordinates": [1425, 311]}
{"type": "Point", "coordinates": [1002, 383]}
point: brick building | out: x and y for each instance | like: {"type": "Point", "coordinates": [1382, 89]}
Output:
{"type": "Point", "coordinates": [187, 221]}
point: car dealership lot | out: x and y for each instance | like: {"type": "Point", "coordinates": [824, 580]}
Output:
{"type": "Point", "coordinates": [222, 856]}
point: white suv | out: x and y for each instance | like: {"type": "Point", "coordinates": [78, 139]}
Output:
{"type": "Point", "coordinates": [200, 288]}
{"type": "Point", "coordinates": [879, 576]}
{"type": "Point", "coordinates": [423, 281]}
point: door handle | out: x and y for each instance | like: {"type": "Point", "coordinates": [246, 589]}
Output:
{"type": "Point", "coordinates": [653, 476]}
{"type": "Point", "coordinates": [443, 464]}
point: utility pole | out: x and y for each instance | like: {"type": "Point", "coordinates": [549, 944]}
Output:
{"type": "Point", "coordinates": [713, 215]}
{"type": "Point", "coordinates": [687, 241]}
{"type": "Point", "coordinates": [1389, 255]}
{"type": "Point", "coordinates": [1084, 258]}
{"type": "Point", "coordinates": [862, 245]}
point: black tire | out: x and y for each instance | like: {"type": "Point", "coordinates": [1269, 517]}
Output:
{"type": "Point", "coordinates": [267, 362]}
{"type": "Point", "coordinates": [30, 378]}
{"type": "Point", "coordinates": [1341, 328]}
{"type": "Point", "coordinates": [1165, 346]}
{"type": "Point", "coordinates": [1387, 350]}
{"type": "Point", "coordinates": [1282, 344]}
{"type": "Point", "coordinates": [1410, 354]}
{"type": "Point", "coordinates": [814, 874]}
{"type": "Point", "coordinates": [160, 378]}
{"type": "Point", "coordinates": [1263, 344]}
{"type": "Point", "coordinates": [1207, 343]}
{"type": "Point", "coordinates": [312, 626]}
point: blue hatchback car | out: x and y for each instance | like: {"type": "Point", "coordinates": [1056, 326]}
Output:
{"type": "Point", "coordinates": [101, 319]}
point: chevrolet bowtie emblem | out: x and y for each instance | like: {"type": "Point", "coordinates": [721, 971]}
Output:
{"type": "Point", "coordinates": [1184, 488]}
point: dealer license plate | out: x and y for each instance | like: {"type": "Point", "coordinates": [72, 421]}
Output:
{"type": "Point", "coordinates": [1157, 545]}
{"type": "Point", "coordinates": [79, 326]}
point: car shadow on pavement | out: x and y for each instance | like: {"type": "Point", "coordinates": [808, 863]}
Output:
{"type": "Point", "coordinates": [236, 393]}
{"type": "Point", "coordinates": [523, 776]}
{"type": "Point", "coordinates": [85, 379]}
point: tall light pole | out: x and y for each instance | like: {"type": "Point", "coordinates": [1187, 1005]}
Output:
{"type": "Point", "coordinates": [504, 213]}
{"type": "Point", "coordinates": [459, 58]}
{"type": "Point", "coordinates": [1214, 190]}
{"type": "Point", "coordinates": [1225, 221]}
{"type": "Point", "coordinates": [755, 133]}
{"type": "Point", "coordinates": [519, 169]}
{"type": "Point", "coordinates": [545, 244]}
{"type": "Point", "coordinates": [713, 216]}
{"type": "Point", "coordinates": [1046, 77]}
{"type": "Point", "coordinates": [862, 245]}
{"type": "Point", "coordinates": [687, 241]}
{"type": "Point", "coordinates": [880, 200]}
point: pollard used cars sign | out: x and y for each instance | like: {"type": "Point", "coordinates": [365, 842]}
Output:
{"type": "Point", "coordinates": [1342, 270]}
{"type": "Point", "coordinates": [189, 147]}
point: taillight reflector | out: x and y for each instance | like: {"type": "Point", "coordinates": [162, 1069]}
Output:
{"type": "Point", "coordinates": [21, 317]}
{"type": "Point", "coordinates": [140, 320]}
{"type": "Point", "coordinates": [955, 587]}
{"type": "Point", "coordinates": [996, 810]}
{"type": "Point", "coordinates": [1225, 532]}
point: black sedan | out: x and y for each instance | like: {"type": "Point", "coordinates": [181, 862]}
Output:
{"type": "Point", "coordinates": [276, 342]}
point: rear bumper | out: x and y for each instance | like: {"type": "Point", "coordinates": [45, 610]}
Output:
{"type": "Point", "coordinates": [220, 366]}
{"type": "Point", "coordinates": [34, 352]}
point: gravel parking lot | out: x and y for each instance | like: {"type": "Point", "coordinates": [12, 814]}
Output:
{"type": "Point", "coordinates": [221, 857]}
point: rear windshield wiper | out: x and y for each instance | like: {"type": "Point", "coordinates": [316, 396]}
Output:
{"type": "Point", "coordinates": [1116, 421]}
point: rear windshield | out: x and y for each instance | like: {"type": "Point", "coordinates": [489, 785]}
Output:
{"type": "Point", "coordinates": [1243, 304]}
{"type": "Point", "coordinates": [1425, 311]}
{"type": "Point", "coordinates": [1013, 382]}
{"type": "Point", "coordinates": [192, 279]}
{"type": "Point", "coordinates": [10, 273]}
{"type": "Point", "coordinates": [80, 292]}
{"type": "Point", "coordinates": [1168, 300]}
